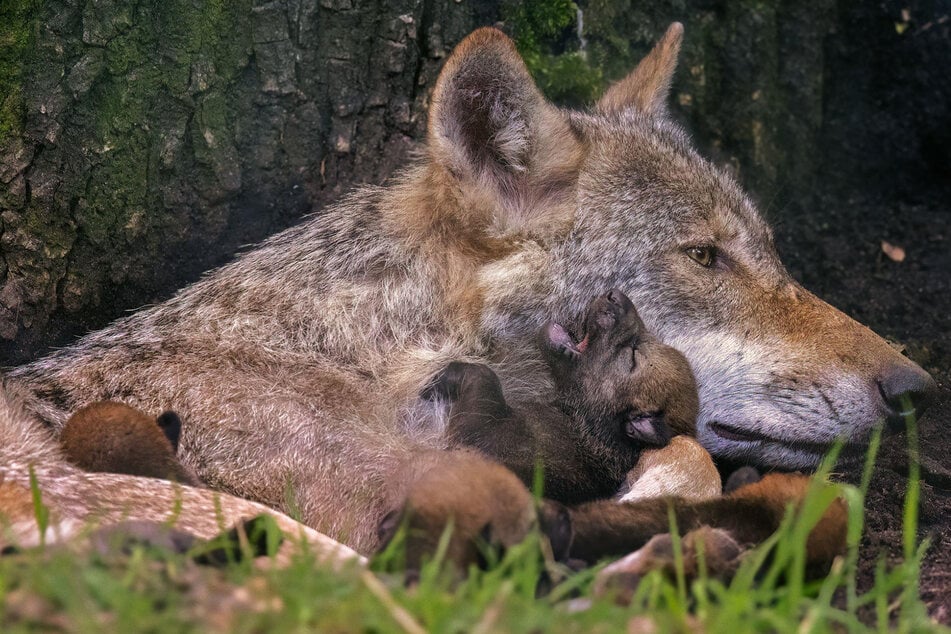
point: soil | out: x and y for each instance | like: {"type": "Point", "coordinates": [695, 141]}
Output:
{"type": "Point", "coordinates": [835, 250]}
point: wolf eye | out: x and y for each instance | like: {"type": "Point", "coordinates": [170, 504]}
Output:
{"type": "Point", "coordinates": [704, 256]}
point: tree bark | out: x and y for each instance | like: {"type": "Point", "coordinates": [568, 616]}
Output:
{"type": "Point", "coordinates": [142, 143]}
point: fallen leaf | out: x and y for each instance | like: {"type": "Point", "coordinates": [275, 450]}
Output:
{"type": "Point", "coordinates": [897, 346]}
{"type": "Point", "coordinates": [894, 253]}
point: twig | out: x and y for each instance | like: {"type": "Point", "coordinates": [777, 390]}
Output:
{"type": "Point", "coordinates": [399, 614]}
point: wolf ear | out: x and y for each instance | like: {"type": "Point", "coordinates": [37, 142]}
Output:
{"type": "Point", "coordinates": [484, 105]}
{"type": "Point", "coordinates": [495, 133]}
{"type": "Point", "coordinates": [647, 87]}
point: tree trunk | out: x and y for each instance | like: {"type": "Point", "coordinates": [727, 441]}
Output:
{"type": "Point", "coordinates": [142, 143]}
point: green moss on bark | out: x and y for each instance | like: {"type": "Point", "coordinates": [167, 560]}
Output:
{"type": "Point", "coordinates": [544, 32]}
{"type": "Point", "coordinates": [18, 23]}
{"type": "Point", "coordinates": [165, 53]}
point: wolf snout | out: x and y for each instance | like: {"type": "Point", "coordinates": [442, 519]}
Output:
{"type": "Point", "coordinates": [907, 391]}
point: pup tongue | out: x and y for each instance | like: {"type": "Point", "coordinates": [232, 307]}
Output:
{"type": "Point", "coordinates": [583, 344]}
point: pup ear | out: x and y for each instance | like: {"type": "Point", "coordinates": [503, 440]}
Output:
{"type": "Point", "coordinates": [492, 129]}
{"type": "Point", "coordinates": [649, 429]}
{"type": "Point", "coordinates": [647, 87]}
{"type": "Point", "coordinates": [171, 426]}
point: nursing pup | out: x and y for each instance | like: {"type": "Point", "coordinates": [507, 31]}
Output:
{"type": "Point", "coordinates": [34, 470]}
{"type": "Point", "coordinates": [115, 438]}
{"type": "Point", "coordinates": [619, 391]}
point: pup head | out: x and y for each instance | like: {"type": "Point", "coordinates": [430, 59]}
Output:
{"type": "Point", "coordinates": [618, 197]}
{"type": "Point", "coordinates": [618, 373]}
{"type": "Point", "coordinates": [486, 504]}
{"type": "Point", "coordinates": [115, 438]}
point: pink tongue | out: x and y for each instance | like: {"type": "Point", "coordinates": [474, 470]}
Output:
{"type": "Point", "coordinates": [583, 344]}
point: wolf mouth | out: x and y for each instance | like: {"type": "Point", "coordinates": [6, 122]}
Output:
{"type": "Point", "coordinates": [728, 432]}
{"type": "Point", "coordinates": [737, 435]}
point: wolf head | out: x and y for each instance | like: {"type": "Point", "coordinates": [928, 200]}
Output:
{"type": "Point", "coordinates": [617, 197]}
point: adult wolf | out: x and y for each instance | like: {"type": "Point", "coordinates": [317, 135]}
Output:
{"type": "Point", "coordinates": [297, 368]}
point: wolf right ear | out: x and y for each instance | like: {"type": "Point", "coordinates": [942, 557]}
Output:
{"type": "Point", "coordinates": [511, 152]}
{"type": "Point", "coordinates": [647, 87]}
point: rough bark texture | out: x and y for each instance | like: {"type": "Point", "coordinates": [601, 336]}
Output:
{"type": "Point", "coordinates": [799, 95]}
{"type": "Point", "coordinates": [142, 143]}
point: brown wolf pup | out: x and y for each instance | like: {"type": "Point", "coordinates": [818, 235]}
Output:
{"type": "Point", "coordinates": [724, 547]}
{"type": "Point", "coordinates": [748, 516]}
{"type": "Point", "coordinates": [620, 390]}
{"type": "Point", "coordinates": [78, 502]}
{"type": "Point", "coordinates": [115, 438]}
{"type": "Point", "coordinates": [298, 367]}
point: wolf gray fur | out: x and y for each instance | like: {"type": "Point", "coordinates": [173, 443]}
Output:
{"type": "Point", "coordinates": [297, 367]}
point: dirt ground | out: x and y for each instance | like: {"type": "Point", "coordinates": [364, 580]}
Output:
{"type": "Point", "coordinates": [835, 250]}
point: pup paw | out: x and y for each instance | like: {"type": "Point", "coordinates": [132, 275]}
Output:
{"type": "Point", "coordinates": [721, 555]}
{"type": "Point", "coordinates": [740, 478]}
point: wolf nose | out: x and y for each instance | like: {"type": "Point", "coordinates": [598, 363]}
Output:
{"type": "Point", "coordinates": [907, 390]}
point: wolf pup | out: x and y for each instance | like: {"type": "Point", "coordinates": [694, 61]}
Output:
{"type": "Point", "coordinates": [297, 368]}
{"type": "Point", "coordinates": [33, 469]}
{"type": "Point", "coordinates": [620, 390]}
{"type": "Point", "coordinates": [115, 438]}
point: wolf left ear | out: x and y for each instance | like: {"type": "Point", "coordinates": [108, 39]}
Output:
{"type": "Point", "coordinates": [484, 105]}
{"type": "Point", "coordinates": [497, 135]}
{"type": "Point", "coordinates": [647, 87]}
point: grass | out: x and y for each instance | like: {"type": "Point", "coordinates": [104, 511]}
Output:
{"type": "Point", "coordinates": [153, 591]}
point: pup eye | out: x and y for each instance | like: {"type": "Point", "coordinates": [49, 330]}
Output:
{"type": "Point", "coordinates": [632, 346]}
{"type": "Point", "coordinates": [704, 256]}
